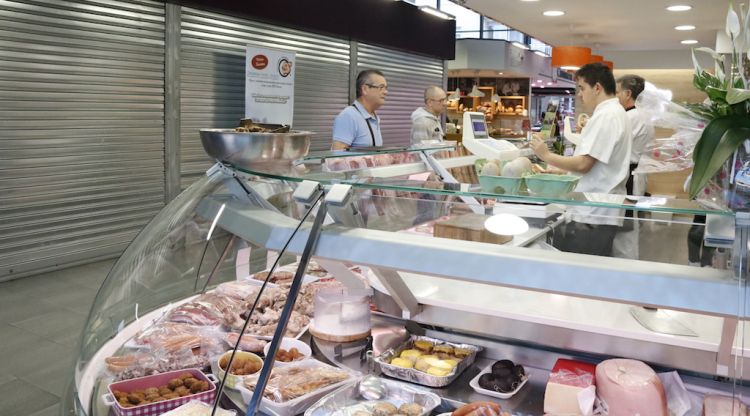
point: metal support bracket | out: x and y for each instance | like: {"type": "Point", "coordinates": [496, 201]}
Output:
{"type": "Point", "coordinates": [445, 176]}
{"type": "Point", "coordinates": [398, 290]}
{"type": "Point", "coordinates": [724, 355]}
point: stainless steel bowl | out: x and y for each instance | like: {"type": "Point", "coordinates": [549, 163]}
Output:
{"type": "Point", "coordinates": [249, 149]}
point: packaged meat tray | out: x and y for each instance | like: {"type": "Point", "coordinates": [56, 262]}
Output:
{"type": "Point", "coordinates": [427, 361]}
{"type": "Point", "coordinates": [347, 401]}
{"type": "Point", "coordinates": [293, 388]}
{"type": "Point", "coordinates": [155, 392]}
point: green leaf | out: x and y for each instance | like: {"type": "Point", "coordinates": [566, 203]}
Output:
{"type": "Point", "coordinates": [716, 94]}
{"type": "Point", "coordinates": [737, 95]}
{"type": "Point", "coordinates": [719, 140]}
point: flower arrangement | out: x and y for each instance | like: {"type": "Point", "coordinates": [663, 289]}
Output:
{"type": "Point", "coordinates": [728, 105]}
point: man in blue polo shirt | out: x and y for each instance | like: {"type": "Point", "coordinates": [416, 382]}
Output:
{"type": "Point", "coordinates": [357, 125]}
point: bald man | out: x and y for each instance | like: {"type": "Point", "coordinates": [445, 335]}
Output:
{"type": "Point", "coordinates": [425, 121]}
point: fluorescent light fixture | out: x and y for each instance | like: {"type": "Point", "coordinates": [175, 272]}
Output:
{"type": "Point", "coordinates": [689, 42]}
{"type": "Point", "coordinates": [499, 73]}
{"type": "Point", "coordinates": [520, 45]}
{"type": "Point", "coordinates": [540, 53]}
{"type": "Point", "coordinates": [506, 224]}
{"type": "Point", "coordinates": [553, 13]}
{"type": "Point", "coordinates": [685, 27]}
{"type": "Point", "coordinates": [435, 12]}
{"type": "Point", "coordinates": [679, 8]}
{"type": "Point", "coordinates": [529, 1]}
{"type": "Point", "coordinates": [540, 80]}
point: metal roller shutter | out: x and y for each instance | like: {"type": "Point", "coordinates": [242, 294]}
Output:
{"type": "Point", "coordinates": [81, 129]}
{"type": "Point", "coordinates": [212, 84]}
{"type": "Point", "coordinates": [407, 75]}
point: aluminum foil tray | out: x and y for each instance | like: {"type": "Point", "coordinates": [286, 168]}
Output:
{"type": "Point", "coordinates": [419, 377]}
{"type": "Point", "coordinates": [347, 401]}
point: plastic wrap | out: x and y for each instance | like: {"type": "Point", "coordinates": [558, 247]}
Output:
{"type": "Point", "coordinates": [346, 401]}
{"type": "Point", "coordinates": [416, 376]}
{"type": "Point", "coordinates": [293, 388]}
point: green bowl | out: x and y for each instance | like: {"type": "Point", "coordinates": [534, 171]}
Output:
{"type": "Point", "coordinates": [550, 186]}
{"type": "Point", "coordinates": [500, 184]}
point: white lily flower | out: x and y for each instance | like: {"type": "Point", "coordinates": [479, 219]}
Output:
{"type": "Point", "coordinates": [733, 23]}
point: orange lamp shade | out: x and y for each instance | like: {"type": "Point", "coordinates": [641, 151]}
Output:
{"type": "Point", "coordinates": [596, 58]}
{"type": "Point", "coordinates": [570, 57]}
{"type": "Point", "coordinates": [610, 64]}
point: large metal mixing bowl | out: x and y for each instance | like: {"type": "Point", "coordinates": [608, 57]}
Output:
{"type": "Point", "coordinates": [249, 149]}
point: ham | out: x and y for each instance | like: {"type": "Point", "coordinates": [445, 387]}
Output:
{"type": "Point", "coordinates": [715, 405]}
{"type": "Point", "coordinates": [630, 388]}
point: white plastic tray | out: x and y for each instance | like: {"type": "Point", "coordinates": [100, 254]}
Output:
{"type": "Point", "coordinates": [474, 383]}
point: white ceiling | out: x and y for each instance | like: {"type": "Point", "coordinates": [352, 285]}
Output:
{"type": "Point", "coordinates": [617, 25]}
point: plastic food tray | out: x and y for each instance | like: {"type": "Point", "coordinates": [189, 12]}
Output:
{"type": "Point", "coordinates": [415, 376]}
{"type": "Point", "coordinates": [474, 383]}
{"type": "Point", "coordinates": [156, 380]}
{"type": "Point", "coordinates": [346, 401]}
{"type": "Point", "coordinates": [299, 404]}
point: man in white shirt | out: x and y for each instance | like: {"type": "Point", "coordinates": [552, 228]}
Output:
{"type": "Point", "coordinates": [425, 121]}
{"type": "Point", "coordinates": [629, 87]}
{"type": "Point", "coordinates": [601, 161]}
{"type": "Point", "coordinates": [358, 125]}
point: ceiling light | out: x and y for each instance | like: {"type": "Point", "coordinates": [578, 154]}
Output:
{"type": "Point", "coordinates": [553, 13]}
{"type": "Point", "coordinates": [570, 68]}
{"type": "Point", "coordinates": [539, 80]}
{"type": "Point", "coordinates": [499, 73]}
{"type": "Point", "coordinates": [455, 95]}
{"type": "Point", "coordinates": [519, 45]}
{"type": "Point", "coordinates": [549, 83]}
{"type": "Point", "coordinates": [689, 42]}
{"type": "Point", "coordinates": [570, 57]}
{"type": "Point", "coordinates": [679, 8]}
{"type": "Point", "coordinates": [435, 12]}
{"type": "Point", "coordinates": [685, 27]}
{"type": "Point", "coordinates": [475, 92]}
{"type": "Point", "coordinates": [529, 0]}
{"type": "Point", "coordinates": [540, 53]}
{"type": "Point", "coordinates": [596, 58]}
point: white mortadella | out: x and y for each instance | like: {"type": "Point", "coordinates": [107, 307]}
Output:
{"type": "Point", "coordinates": [630, 388]}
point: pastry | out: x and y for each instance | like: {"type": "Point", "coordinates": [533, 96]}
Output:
{"type": "Point", "coordinates": [410, 354]}
{"type": "Point", "coordinates": [384, 409]}
{"type": "Point", "coordinates": [447, 349]}
{"type": "Point", "coordinates": [424, 346]}
{"type": "Point", "coordinates": [402, 362]}
{"type": "Point", "coordinates": [461, 353]}
{"type": "Point", "coordinates": [410, 409]}
{"type": "Point", "coordinates": [439, 372]}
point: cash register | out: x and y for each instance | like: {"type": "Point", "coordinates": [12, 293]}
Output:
{"type": "Point", "coordinates": [477, 140]}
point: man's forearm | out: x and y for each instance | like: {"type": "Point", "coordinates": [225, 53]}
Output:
{"type": "Point", "coordinates": [337, 145]}
{"type": "Point", "coordinates": [578, 164]}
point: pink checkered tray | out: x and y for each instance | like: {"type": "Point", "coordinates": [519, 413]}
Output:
{"type": "Point", "coordinates": [156, 380]}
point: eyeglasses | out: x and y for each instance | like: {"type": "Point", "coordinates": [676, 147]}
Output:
{"type": "Point", "coordinates": [380, 87]}
{"type": "Point", "coordinates": [440, 100]}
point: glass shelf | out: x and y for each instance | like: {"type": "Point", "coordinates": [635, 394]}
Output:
{"type": "Point", "coordinates": [363, 178]}
{"type": "Point", "coordinates": [356, 152]}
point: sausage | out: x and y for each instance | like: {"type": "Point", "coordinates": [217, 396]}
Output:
{"type": "Point", "coordinates": [478, 409]}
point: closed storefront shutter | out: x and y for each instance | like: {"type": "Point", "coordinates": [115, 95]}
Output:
{"type": "Point", "coordinates": [81, 129]}
{"type": "Point", "coordinates": [212, 83]}
{"type": "Point", "coordinates": [407, 75]}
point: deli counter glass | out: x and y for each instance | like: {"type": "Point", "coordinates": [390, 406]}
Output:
{"type": "Point", "coordinates": [408, 228]}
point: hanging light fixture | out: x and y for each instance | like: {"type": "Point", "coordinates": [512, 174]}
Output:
{"type": "Point", "coordinates": [475, 92]}
{"type": "Point", "coordinates": [610, 64]}
{"type": "Point", "coordinates": [495, 98]}
{"type": "Point", "coordinates": [596, 58]}
{"type": "Point", "coordinates": [570, 57]}
{"type": "Point", "coordinates": [455, 95]}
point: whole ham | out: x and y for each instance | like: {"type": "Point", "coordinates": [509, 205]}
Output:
{"type": "Point", "coordinates": [630, 388]}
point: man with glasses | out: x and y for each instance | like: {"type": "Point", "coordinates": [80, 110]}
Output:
{"type": "Point", "coordinates": [425, 121]}
{"type": "Point", "coordinates": [358, 125]}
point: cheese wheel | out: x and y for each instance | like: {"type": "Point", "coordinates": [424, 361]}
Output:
{"type": "Point", "coordinates": [630, 388]}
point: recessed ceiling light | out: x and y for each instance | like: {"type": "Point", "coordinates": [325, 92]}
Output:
{"type": "Point", "coordinates": [553, 13]}
{"type": "Point", "coordinates": [679, 8]}
{"type": "Point", "coordinates": [519, 45]}
{"type": "Point", "coordinates": [499, 73]}
{"type": "Point", "coordinates": [685, 27]}
{"type": "Point", "coordinates": [689, 42]}
{"type": "Point", "coordinates": [539, 80]}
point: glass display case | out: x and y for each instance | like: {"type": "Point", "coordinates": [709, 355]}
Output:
{"type": "Point", "coordinates": [377, 213]}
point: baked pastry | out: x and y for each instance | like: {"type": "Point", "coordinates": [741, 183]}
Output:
{"type": "Point", "coordinates": [439, 372]}
{"type": "Point", "coordinates": [461, 353]}
{"type": "Point", "coordinates": [384, 409]}
{"type": "Point", "coordinates": [424, 346]}
{"type": "Point", "coordinates": [410, 409]}
{"type": "Point", "coordinates": [410, 354]}
{"type": "Point", "coordinates": [446, 349]}
{"type": "Point", "coordinates": [402, 362]}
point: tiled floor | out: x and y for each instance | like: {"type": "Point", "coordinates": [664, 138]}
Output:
{"type": "Point", "coordinates": [41, 319]}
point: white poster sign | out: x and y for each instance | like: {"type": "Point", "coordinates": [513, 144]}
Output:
{"type": "Point", "coordinates": [269, 85]}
